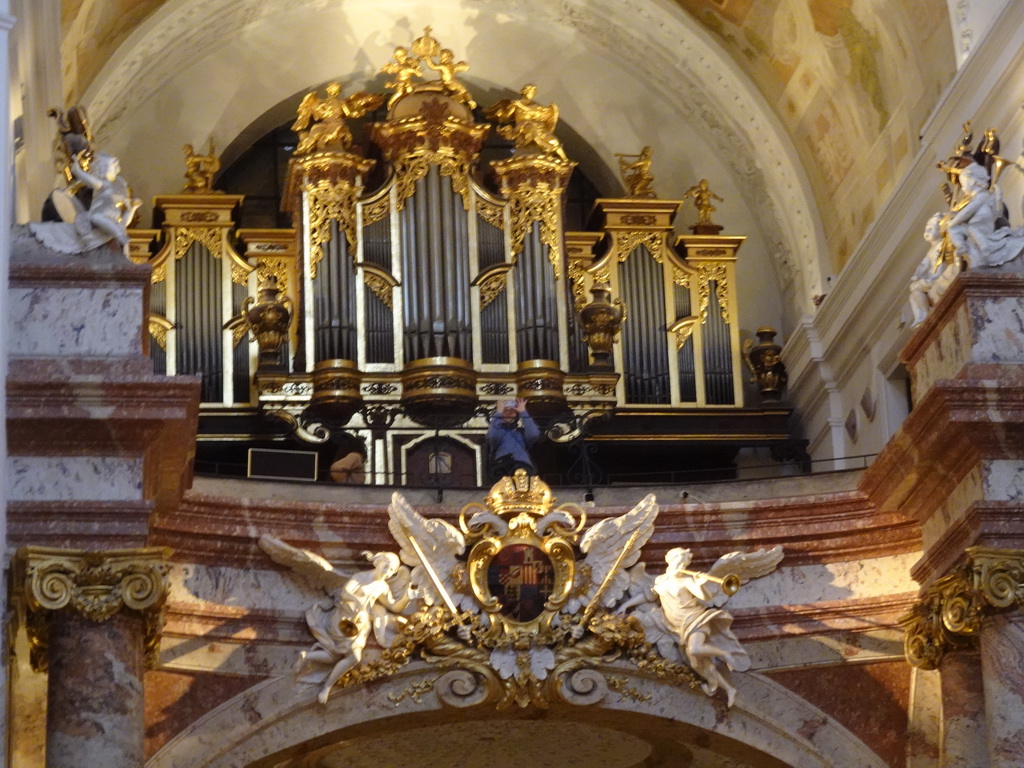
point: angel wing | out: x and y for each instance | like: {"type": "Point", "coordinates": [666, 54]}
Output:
{"type": "Point", "coordinates": [611, 547]}
{"type": "Point", "coordinates": [431, 547]}
{"type": "Point", "coordinates": [309, 564]}
{"type": "Point", "coordinates": [746, 565]}
{"type": "Point", "coordinates": [361, 102]}
{"type": "Point", "coordinates": [549, 117]}
{"type": "Point", "coordinates": [501, 112]}
{"type": "Point", "coordinates": [306, 109]}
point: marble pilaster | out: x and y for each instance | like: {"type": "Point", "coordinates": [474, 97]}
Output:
{"type": "Point", "coordinates": [94, 697]}
{"type": "Point", "coordinates": [1002, 662]}
{"type": "Point", "coordinates": [963, 712]}
{"type": "Point", "coordinates": [93, 621]}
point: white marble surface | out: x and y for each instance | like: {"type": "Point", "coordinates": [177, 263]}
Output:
{"type": "Point", "coordinates": [74, 478]}
{"type": "Point", "coordinates": [74, 322]}
{"type": "Point", "coordinates": [1004, 480]}
{"type": "Point", "coordinates": [282, 592]}
{"type": "Point", "coordinates": [998, 330]}
{"type": "Point", "coordinates": [832, 581]}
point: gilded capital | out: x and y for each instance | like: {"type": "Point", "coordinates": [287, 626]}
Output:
{"type": "Point", "coordinates": [95, 585]}
{"type": "Point", "coordinates": [951, 612]}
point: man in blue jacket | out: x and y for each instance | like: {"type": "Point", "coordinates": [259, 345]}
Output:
{"type": "Point", "coordinates": [511, 433]}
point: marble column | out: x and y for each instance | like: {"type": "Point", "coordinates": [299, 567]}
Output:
{"type": "Point", "coordinates": [1002, 661]}
{"type": "Point", "coordinates": [93, 621]}
{"type": "Point", "coordinates": [963, 711]}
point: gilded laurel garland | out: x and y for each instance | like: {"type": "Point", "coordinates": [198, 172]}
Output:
{"type": "Point", "coordinates": [541, 204]}
{"type": "Point", "coordinates": [380, 286]}
{"type": "Point", "coordinates": [329, 202]}
{"type": "Point", "coordinates": [491, 212]}
{"type": "Point", "coordinates": [951, 612]}
{"type": "Point", "coordinates": [408, 171]}
{"type": "Point", "coordinates": [95, 585]}
{"type": "Point", "coordinates": [377, 210]}
{"type": "Point", "coordinates": [706, 274]}
{"type": "Point", "coordinates": [627, 242]}
{"type": "Point", "coordinates": [491, 287]}
{"type": "Point", "coordinates": [158, 328]}
{"type": "Point", "coordinates": [209, 237]}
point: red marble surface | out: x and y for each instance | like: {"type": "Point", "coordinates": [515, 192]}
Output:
{"type": "Point", "coordinates": [824, 528]}
{"type": "Point", "coordinates": [94, 700]}
{"type": "Point", "coordinates": [174, 700]}
{"type": "Point", "coordinates": [869, 699]}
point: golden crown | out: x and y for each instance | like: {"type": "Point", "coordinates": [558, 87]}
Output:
{"type": "Point", "coordinates": [520, 493]}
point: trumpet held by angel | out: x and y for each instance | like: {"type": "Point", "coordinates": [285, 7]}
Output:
{"type": "Point", "coordinates": [681, 611]}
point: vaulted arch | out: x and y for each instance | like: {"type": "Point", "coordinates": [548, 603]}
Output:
{"type": "Point", "coordinates": [279, 723]}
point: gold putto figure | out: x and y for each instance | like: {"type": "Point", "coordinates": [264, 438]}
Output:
{"type": "Point", "coordinates": [531, 125]}
{"type": "Point", "coordinates": [702, 197]}
{"type": "Point", "coordinates": [408, 66]}
{"type": "Point", "coordinates": [636, 173]}
{"type": "Point", "coordinates": [404, 68]}
{"type": "Point", "coordinates": [200, 169]}
{"type": "Point", "coordinates": [325, 118]}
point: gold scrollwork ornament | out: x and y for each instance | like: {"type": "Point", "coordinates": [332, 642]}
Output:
{"type": "Point", "coordinates": [951, 612]}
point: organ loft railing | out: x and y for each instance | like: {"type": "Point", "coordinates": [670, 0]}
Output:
{"type": "Point", "coordinates": [398, 314]}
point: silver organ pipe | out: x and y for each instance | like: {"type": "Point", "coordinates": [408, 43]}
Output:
{"type": "Point", "coordinates": [644, 338]}
{"type": "Point", "coordinates": [717, 352]}
{"type": "Point", "coordinates": [685, 357]}
{"type": "Point", "coordinates": [334, 301]}
{"type": "Point", "coordinates": [198, 309]}
{"type": "Point", "coordinates": [536, 310]}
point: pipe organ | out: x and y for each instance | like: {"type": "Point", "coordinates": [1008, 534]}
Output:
{"type": "Point", "coordinates": [399, 313]}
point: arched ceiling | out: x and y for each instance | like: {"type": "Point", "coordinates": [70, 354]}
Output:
{"type": "Point", "coordinates": [804, 111]}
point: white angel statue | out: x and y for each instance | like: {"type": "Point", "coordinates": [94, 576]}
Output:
{"type": "Point", "coordinates": [364, 601]}
{"type": "Point", "coordinates": [680, 611]}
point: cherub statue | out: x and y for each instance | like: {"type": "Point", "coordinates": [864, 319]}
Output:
{"type": "Point", "coordinates": [200, 169]}
{"type": "Point", "coordinates": [326, 118]}
{"type": "Point", "coordinates": [531, 124]}
{"type": "Point", "coordinates": [366, 600]}
{"type": "Point", "coordinates": [681, 611]}
{"type": "Point", "coordinates": [702, 197]}
{"type": "Point", "coordinates": [935, 273]}
{"type": "Point", "coordinates": [447, 68]}
{"type": "Point", "coordinates": [636, 173]}
{"type": "Point", "coordinates": [110, 211]}
{"type": "Point", "coordinates": [404, 69]}
{"type": "Point", "coordinates": [977, 227]}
